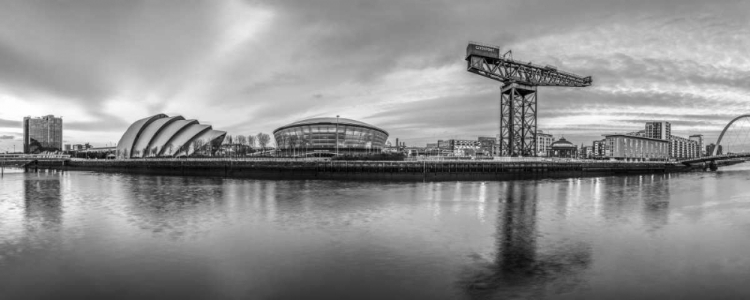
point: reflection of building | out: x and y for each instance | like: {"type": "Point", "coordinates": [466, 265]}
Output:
{"type": "Point", "coordinates": [323, 134]}
{"type": "Point", "coordinates": [42, 134]}
{"type": "Point", "coordinates": [658, 130]}
{"type": "Point", "coordinates": [680, 147]}
{"type": "Point", "coordinates": [543, 142]}
{"type": "Point", "coordinates": [563, 148]}
{"type": "Point", "coordinates": [698, 138]}
{"type": "Point", "coordinates": [621, 146]}
{"type": "Point", "coordinates": [164, 136]}
{"type": "Point", "coordinates": [43, 201]}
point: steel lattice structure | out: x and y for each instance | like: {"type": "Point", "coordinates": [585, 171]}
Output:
{"type": "Point", "coordinates": [735, 138]}
{"type": "Point", "coordinates": [518, 99]}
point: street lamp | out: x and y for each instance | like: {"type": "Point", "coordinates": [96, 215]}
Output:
{"type": "Point", "coordinates": [337, 135]}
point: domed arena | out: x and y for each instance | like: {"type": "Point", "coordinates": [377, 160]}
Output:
{"type": "Point", "coordinates": [319, 136]}
{"type": "Point", "coordinates": [164, 136]}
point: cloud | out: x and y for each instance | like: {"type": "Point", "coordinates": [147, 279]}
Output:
{"type": "Point", "coordinates": [252, 66]}
{"type": "Point", "coordinates": [10, 123]}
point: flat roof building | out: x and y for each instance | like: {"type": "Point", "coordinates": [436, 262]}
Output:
{"type": "Point", "coordinates": [42, 134]}
{"type": "Point", "coordinates": [623, 146]}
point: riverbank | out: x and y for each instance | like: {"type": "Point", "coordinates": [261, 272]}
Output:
{"type": "Point", "coordinates": [368, 170]}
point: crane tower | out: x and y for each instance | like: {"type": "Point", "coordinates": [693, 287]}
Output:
{"type": "Point", "coordinates": [517, 94]}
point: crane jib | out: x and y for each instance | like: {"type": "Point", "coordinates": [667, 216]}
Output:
{"type": "Point", "coordinates": [518, 94]}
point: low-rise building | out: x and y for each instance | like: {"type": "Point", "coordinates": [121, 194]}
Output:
{"type": "Point", "coordinates": [682, 148]}
{"type": "Point", "coordinates": [598, 149]}
{"type": "Point", "coordinates": [710, 150]}
{"type": "Point", "coordinates": [698, 138]}
{"type": "Point", "coordinates": [563, 148]}
{"type": "Point", "coordinates": [487, 145]}
{"type": "Point", "coordinates": [543, 143]}
{"type": "Point", "coordinates": [628, 147]}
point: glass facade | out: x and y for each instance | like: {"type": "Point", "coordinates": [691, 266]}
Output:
{"type": "Point", "coordinates": [352, 136]}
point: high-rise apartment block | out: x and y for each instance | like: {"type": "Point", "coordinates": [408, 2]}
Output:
{"type": "Point", "coordinates": [658, 130]}
{"type": "Point", "coordinates": [42, 134]}
{"type": "Point", "coordinates": [698, 138]}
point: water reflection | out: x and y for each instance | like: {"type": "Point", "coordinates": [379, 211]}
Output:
{"type": "Point", "coordinates": [519, 267]}
{"type": "Point", "coordinates": [43, 209]}
{"type": "Point", "coordinates": [174, 206]}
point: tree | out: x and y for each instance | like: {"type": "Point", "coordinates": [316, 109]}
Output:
{"type": "Point", "coordinates": [198, 146]}
{"type": "Point", "coordinates": [251, 140]}
{"type": "Point", "coordinates": [293, 141]}
{"type": "Point", "coordinates": [241, 141]}
{"type": "Point", "coordinates": [169, 149]}
{"type": "Point", "coordinates": [263, 140]}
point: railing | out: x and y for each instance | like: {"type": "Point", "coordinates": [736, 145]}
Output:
{"type": "Point", "coordinates": [279, 159]}
{"type": "Point", "coordinates": [717, 157]}
{"type": "Point", "coordinates": [34, 156]}
{"type": "Point", "coordinates": [527, 159]}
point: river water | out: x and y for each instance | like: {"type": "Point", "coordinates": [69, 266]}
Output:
{"type": "Point", "coordinates": [88, 235]}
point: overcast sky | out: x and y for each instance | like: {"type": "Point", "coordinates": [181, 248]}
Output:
{"type": "Point", "coordinates": [252, 66]}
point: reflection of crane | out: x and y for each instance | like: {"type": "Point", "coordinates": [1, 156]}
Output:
{"type": "Point", "coordinates": [518, 263]}
{"type": "Point", "coordinates": [518, 93]}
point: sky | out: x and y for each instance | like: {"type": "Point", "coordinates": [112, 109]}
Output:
{"type": "Point", "coordinates": [253, 66]}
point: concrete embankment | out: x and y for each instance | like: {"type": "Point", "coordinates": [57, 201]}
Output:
{"type": "Point", "coordinates": [366, 170]}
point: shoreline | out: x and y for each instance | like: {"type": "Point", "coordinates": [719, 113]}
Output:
{"type": "Point", "coordinates": [367, 170]}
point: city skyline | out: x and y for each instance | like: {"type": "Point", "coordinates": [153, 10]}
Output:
{"type": "Point", "coordinates": [250, 67]}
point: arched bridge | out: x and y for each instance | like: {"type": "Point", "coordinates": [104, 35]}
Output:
{"type": "Point", "coordinates": [734, 140]}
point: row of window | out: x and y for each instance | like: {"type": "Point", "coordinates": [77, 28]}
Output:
{"type": "Point", "coordinates": [324, 136]}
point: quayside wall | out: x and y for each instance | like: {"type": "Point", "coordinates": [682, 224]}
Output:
{"type": "Point", "coordinates": [365, 170]}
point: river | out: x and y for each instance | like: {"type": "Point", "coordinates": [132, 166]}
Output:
{"type": "Point", "coordinates": [88, 235]}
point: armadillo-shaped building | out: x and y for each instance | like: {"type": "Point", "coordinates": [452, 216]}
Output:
{"type": "Point", "coordinates": [164, 136]}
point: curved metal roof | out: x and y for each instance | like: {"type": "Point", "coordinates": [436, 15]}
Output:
{"type": "Point", "coordinates": [148, 134]}
{"type": "Point", "coordinates": [128, 139]}
{"type": "Point", "coordinates": [162, 139]}
{"type": "Point", "coordinates": [318, 121]}
{"type": "Point", "coordinates": [207, 136]}
{"type": "Point", "coordinates": [153, 136]}
{"type": "Point", "coordinates": [181, 140]}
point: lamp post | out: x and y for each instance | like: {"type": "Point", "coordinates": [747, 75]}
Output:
{"type": "Point", "coordinates": [337, 135]}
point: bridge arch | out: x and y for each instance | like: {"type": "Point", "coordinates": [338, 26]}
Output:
{"type": "Point", "coordinates": [718, 142]}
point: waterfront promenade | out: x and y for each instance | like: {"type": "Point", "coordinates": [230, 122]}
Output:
{"type": "Point", "coordinates": [290, 168]}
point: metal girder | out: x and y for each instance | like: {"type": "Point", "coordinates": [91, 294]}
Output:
{"type": "Point", "coordinates": [518, 120]}
{"type": "Point", "coordinates": [508, 71]}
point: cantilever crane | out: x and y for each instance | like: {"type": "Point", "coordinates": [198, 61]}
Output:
{"type": "Point", "coordinates": [518, 93]}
